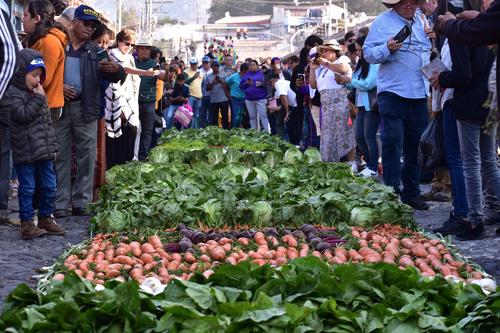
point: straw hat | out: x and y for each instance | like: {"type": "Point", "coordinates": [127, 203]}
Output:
{"type": "Point", "coordinates": [333, 45]}
{"type": "Point", "coordinates": [144, 42]}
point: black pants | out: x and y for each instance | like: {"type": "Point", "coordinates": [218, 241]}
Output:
{"type": "Point", "coordinates": [121, 150]}
{"type": "Point", "coordinates": [294, 125]}
{"type": "Point", "coordinates": [5, 169]}
{"type": "Point", "coordinates": [223, 107]}
{"type": "Point", "coordinates": [278, 118]}
{"type": "Point", "coordinates": [147, 117]}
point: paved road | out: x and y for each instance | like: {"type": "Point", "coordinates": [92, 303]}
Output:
{"type": "Point", "coordinates": [19, 260]}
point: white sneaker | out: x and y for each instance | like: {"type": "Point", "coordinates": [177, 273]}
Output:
{"type": "Point", "coordinates": [367, 172]}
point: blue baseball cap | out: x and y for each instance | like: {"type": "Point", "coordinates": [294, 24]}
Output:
{"type": "Point", "coordinates": [205, 59]}
{"type": "Point", "coordinates": [215, 63]}
{"type": "Point", "coordinates": [86, 13]}
{"type": "Point", "coordinates": [34, 64]}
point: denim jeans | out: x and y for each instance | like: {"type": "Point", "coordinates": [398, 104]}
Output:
{"type": "Point", "coordinates": [5, 172]}
{"type": "Point", "coordinates": [223, 108]}
{"type": "Point", "coordinates": [404, 120]}
{"type": "Point", "coordinates": [147, 117]}
{"type": "Point", "coordinates": [258, 107]}
{"type": "Point", "coordinates": [28, 175]}
{"type": "Point", "coordinates": [168, 115]}
{"type": "Point", "coordinates": [205, 112]}
{"type": "Point", "coordinates": [454, 161]}
{"type": "Point", "coordinates": [367, 124]}
{"type": "Point", "coordinates": [480, 165]}
{"type": "Point", "coordinates": [195, 104]}
{"type": "Point", "coordinates": [237, 108]}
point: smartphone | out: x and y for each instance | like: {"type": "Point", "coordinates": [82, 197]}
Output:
{"type": "Point", "coordinates": [103, 55]}
{"type": "Point", "coordinates": [301, 77]}
{"type": "Point", "coordinates": [403, 34]}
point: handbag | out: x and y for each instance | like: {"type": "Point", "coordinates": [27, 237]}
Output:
{"type": "Point", "coordinates": [183, 115]}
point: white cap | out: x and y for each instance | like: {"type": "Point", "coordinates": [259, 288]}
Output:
{"type": "Point", "coordinates": [313, 52]}
{"type": "Point", "coordinates": [193, 60]}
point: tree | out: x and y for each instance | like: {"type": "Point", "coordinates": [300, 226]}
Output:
{"type": "Point", "coordinates": [130, 18]}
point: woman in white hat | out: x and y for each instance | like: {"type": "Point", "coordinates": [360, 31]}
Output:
{"type": "Point", "coordinates": [337, 136]}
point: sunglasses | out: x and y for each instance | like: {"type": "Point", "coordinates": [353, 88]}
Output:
{"type": "Point", "coordinates": [129, 44]}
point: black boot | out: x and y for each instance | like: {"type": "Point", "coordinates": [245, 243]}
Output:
{"type": "Point", "coordinates": [450, 226]}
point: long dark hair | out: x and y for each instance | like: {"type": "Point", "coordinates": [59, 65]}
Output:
{"type": "Point", "coordinates": [362, 65]}
{"type": "Point", "coordinates": [46, 11]}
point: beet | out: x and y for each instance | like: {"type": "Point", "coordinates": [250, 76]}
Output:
{"type": "Point", "coordinates": [181, 226]}
{"type": "Point", "coordinates": [199, 237]}
{"type": "Point", "coordinates": [185, 244]}
{"type": "Point", "coordinates": [187, 233]}
{"type": "Point", "coordinates": [298, 234]}
{"type": "Point", "coordinates": [315, 240]}
{"type": "Point", "coordinates": [307, 228]}
{"type": "Point", "coordinates": [271, 232]}
{"type": "Point", "coordinates": [172, 248]}
{"type": "Point", "coordinates": [322, 246]}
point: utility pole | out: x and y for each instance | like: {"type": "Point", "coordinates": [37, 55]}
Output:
{"type": "Point", "coordinates": [118, 15]}
{"type": "Point", "coordinates": [329, 32]}
{"type": "Point", "coordinates": [346, 17]}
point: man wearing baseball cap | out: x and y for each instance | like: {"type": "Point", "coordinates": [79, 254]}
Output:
{"type": "Point", "coordinates": [402, 92]}
{"type": "Point", "coordinates": [195, 80]}
{"type": "Point", "coordinates": [78, 123]}
{"type": "Point", "coordinates": [205, 69]}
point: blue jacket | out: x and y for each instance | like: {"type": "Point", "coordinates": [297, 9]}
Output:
{"type": "Point", "coordinates": [252, 92]}
{"type": "Point", "coordinates": [364, 85]}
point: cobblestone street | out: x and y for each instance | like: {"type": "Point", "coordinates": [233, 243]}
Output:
{"type": "Point", "coordinates": [20, 260]}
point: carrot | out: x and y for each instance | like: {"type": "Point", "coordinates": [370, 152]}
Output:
{"type": "Point", "coordinates": [327, 253]}
{"type": "Point", "coordinates": [176, 257]}
{"type": "Point", "coordinates": [281, 261]}
{"type": "Point", "coordinates": [418, 250]}
{"type": "Point", "coordinates": [393, 248]}
{"type": "Point", "coordinates": [90, 276]}
{"type": "Point", "coordinates": [341, 253]}
{"type": "Point", "coordinates": [254, 255]}
{"type": "Point", "coordinates": [218, 253]}
{"type": "Point", "coordinates": [146, 258]}
{"type": "Point", "coordinates": [259, 238]}
{"type": "Point", "coordinates": [243, 241]}
{"type": "Point", "coordinates": [58, 277]}
{"type": "Point", "coordinates": [448, 257]}
{"type": "Point", "coordinates": [269, 254]}
{"type": "Point", "coordinates": [407, 243]}
{"type": "Point", "coordinates": [273, 241]}
{"type": "Point", "coordinates": [99, 257]}
{"type": "Point", "coordinates": [262, 250]}
{"type": "Point", "coordinates": [162, 271]}
{"type": "Point", "coordinates": [84, 266]}
{"type": "Point", "coordinates": [173, 265]}
{"type": "Point", "coordinates": [292, 253]}
{"type": "Point", "coordinates": [292, 242]}
{"type": "Point", "coordinates": [354, 255]}
{"type": "Point", "coordinates": [163, 253]}
{"type": "Point", "coordinates": [114, 267]}
{"type": "Point", "coordinates": [125, 260]}
{"type": "Point", "coordinates": [148, 248]}
{"type": "Point", "coordinates": [406, 261]}
{"type": "Point", "coordinates": [363, 243]}
{"type": "Point", "coordinates": [355, 233]}
{"type": "Point", "coordinates": [112, 274]}
{"type": "Point", "coordinates": [148, 267]}
{"type": "Point", "coordinates": [225, 240]}
{"type": "Point", "coordinates": [155, 241]}
{"type": "Point", "coordinates": [316, 254]}
{"type": "Point", "coordinates": [227, 247]}
{"type": "Point", "coordinates": [110, 254]}
{"type": "Point", "coordinates": [189, 257]}
{"type": "Point", "coordinates": [136, 273]}
{"type": "Point", "coordinates": [79, 272]}
{"type": "Point", "coordinates": [445, 270]}
{"type": "Point", "coordinates": [303, 252]}
{"type": "Point", "coordinates": [259, 262]}
{"type": "Point", "coordinates": [389, 260]}
{"type": "Point", "coordinates": [212, 242]}
{"type": "Point", "coordinates": [337, 261]}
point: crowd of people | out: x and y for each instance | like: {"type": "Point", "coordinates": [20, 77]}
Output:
{"type": "Point", "coordinates": [80, 99]}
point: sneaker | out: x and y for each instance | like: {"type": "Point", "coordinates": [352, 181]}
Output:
{"type": "Point", "coordinates": [367, 172]}
{"type": "Point", "coordinates": [450, 226]}
{"type": "Point", "coordinates": [470, 232]}
{"type": "Point", "coordinates": [491, 215]}
{"type": "Point", "coordinates": [77, 211]}
{"type": "Point", "coordinates": [60, 213]}
{"type": "Point", "coordinates": [29, 230]}
{"type": "Point", "coordinates": [49, 224]}
{"type": "Point", "coordinates": [417, 203]}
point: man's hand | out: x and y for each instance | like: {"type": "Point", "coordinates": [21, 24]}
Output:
{"type": "Point", "coordinates": [393, 45]}
{"type": "Point", "coordinates": [322, 61]}
{"type": "Point", "coordinates": [313, 65]}
{"type": "Point", "coordinates": [344, 79]}
{"type": "Point", "coordinates": [69, 92]}
{"type": "Point", "coordinates": [287, 116]}
{"type": "Point", "coordinates": [39, 90]}
{"type": "Point", "coordinates": [468, 15]}
{"type": "Point", "coordinates": [430, 33]}
{"type": "Point", "coordinates": [445, 18]}
{"type": "Point", "coordinates": [109, 67]}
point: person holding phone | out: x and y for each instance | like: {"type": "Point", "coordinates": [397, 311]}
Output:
{"type": "Point", "coordinates": [399, 43]}
{"type": "Point", "coordinates": [254, 85]}
{"type": "Point", "coordinates": [326, 71]}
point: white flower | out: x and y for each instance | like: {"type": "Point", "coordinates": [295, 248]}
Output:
{"type": "Point", "coordinates": [487, 285]}
{"type": "Point", "coordinates": [152, 286]}
{"type": "Point", "coordinates": [99, 287]}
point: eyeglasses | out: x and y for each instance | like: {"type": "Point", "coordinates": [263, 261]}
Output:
{"type": "Point", "coordinates": [128, 44]}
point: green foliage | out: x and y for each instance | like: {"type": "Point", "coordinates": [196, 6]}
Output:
{"type": "Point", "coordinates": [161, 195]}
{"type": "Point", "coordinates": [306, 295]}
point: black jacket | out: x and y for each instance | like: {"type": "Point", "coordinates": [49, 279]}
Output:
{"type": "Point", "coordinates": [483, 30]}
{"type": "Point", "coordinates": [469, 79]}
{"type": "Point", "coordinates": [32, 135]}
{"type": "Point", "coordinates": [91, 77]}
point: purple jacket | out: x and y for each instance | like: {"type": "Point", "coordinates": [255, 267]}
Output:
{"type": "Point", "coordinates": [253, 93]}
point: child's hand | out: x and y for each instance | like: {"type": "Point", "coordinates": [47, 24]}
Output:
{"type": "Point", "coordinates": [39, 90]}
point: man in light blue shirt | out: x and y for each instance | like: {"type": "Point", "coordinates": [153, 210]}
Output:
{"type": "Point", "coordinates": [402, 93]}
